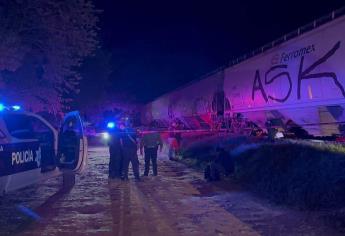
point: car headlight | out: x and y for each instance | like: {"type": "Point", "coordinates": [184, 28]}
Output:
{"type": "Point", "coordinates": [105, 136]}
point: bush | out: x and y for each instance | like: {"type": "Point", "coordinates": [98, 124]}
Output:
{"type": "Point", "coordinates": [307, 176]}
{"type": "Point", "coordinates": [204, 149]}
{"type": "Point", "coordinates": [298, 173]}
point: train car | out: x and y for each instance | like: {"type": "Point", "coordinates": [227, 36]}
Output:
{"type": "Point", "coordinates": [301, 81]}
{"type": "Point", "coordinates": [298, 79]}
{"type": "Point", "coordinates": [194, 104]}
{"type": "Point", "coordinates": [31, 150]}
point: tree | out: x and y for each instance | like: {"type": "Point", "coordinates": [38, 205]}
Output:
{"type": "Point", "coordinates": [42, 45]}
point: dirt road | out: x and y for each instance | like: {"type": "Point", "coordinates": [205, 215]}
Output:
{"type": "Point", "coordinates": [178, 202]}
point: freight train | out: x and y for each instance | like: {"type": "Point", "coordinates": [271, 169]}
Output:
{"type": "Point", "coordinates": [297, 80]}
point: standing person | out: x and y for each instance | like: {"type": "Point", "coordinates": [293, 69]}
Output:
{"type": "Point", "coordinates": [129, 150]}
{"type": "Point", "coordinates": [115, 150]}
{"type": "Point", "coordinates": [178, 136]}
{"type": "Point", "coordinates": [173, 146]}
{"type": "Point", "coordinates": [150, 142]}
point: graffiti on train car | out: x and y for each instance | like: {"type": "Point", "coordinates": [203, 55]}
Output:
{"type": "Point", "coordinates": [280, 71]}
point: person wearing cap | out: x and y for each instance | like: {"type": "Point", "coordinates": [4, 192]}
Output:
{"type": "Point", "coordinates": [150, 143]}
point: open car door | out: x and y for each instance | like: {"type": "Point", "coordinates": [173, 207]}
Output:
{"type": "Point", "coordinates": [72, 144]}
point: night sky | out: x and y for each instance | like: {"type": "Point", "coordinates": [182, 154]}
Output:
{"type": "Point", "coordinates": [157, 46]}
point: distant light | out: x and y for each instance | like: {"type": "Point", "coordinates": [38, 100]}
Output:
{"type": "Point", "coordinates": [106, 136]}
{"type": "Point", "coordinates": [2, 107]}
{"type": "Point", "coordinates": [111, 125]}
{"type": "Point", "coordinates": [16, 107]}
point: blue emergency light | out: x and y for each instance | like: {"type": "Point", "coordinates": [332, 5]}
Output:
{"type": "Point", "coordinates": [16, 108]}
{"type": "Point", "coordinates": [9, 108]}
{"type": "Point", "coordinates": [111, 125]}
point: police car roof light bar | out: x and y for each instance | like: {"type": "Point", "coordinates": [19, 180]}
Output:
{"type": "Point", "coordinates": [16, 108]}
{"type": "Point", "coordinates": [9, 108]}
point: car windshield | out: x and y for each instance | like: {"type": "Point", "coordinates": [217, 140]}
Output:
{"type": "Point", "coordinates": [19, 126]}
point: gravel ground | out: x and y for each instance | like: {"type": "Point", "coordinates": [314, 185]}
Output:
{"type": "Point", "coordinates": [178, 202]}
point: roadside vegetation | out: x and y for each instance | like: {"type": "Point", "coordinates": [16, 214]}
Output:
{"type": "Point", "coordinates": [303, 174]}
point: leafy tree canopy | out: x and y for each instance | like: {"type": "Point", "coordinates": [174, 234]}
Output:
{"type": "Point", "coordinates": [42, 45]}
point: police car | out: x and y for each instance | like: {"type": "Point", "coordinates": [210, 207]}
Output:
{"type": "Point", "coordinates": [32, 150]}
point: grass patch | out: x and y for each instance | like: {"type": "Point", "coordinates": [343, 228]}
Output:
{"type": "Point", "coordinates": [302, 174]}
{"type": "Point", "coordinates": [306, 176]}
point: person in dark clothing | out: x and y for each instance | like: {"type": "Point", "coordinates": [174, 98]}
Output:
{"type": "Point", "coordinates": [115, 151]}
{"type": "Point", "coordinates": [68, 143]}
{"type": "Point", "coordinates": [129, 151]}
{"type": "Point", "coordinates": [150, 142]}
{"type": "Point", "coordinates": [222, 164]}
